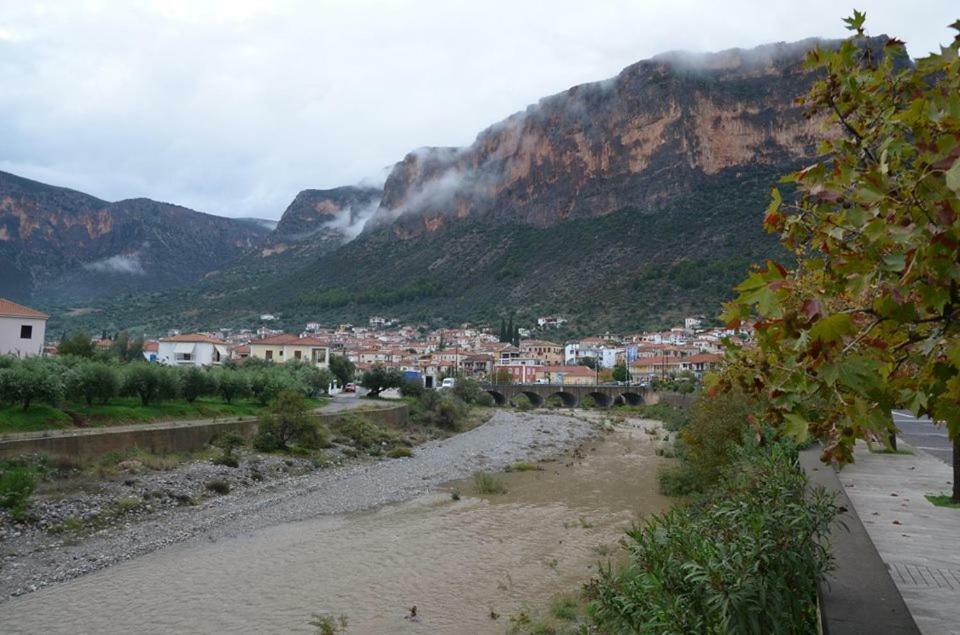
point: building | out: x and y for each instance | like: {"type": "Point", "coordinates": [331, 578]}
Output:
{"type": "Point", "coordinates": [194, 349]}
{"type": "Point", "coordinates": [518, 373]}
{"type": "Point", "coordinates": [285, 348]}
{"type": "Point", "coordinates": [549, 353]}
{"type": "Point", "coordinates": [151, 351]}
{"type": "Point", "coordinates": [567, 375]}
{"type": "Point", "coordinates": [22, 330]}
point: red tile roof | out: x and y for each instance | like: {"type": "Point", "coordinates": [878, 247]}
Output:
{"type": "Point", "coordinates": [12, 309]}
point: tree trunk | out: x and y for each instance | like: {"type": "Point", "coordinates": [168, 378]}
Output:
{"type": "Point", "coordinates": [956, 469]}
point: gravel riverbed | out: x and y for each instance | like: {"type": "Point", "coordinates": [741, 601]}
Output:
{"type": "Point", "coordinates": [35, 558]}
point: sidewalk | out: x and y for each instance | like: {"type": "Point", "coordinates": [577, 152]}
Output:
{"type": "Point", "coordinates": [917, 540]}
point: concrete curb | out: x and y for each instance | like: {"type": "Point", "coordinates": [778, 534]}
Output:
{"type": "Point", "coordinates": [859, 596]}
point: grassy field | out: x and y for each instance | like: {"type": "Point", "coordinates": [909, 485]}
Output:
{"type": "Point", "coordinates": [122, 410]}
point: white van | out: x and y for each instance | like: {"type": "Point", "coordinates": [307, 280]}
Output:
{"type": "Point", "coordinates": [449, 383]}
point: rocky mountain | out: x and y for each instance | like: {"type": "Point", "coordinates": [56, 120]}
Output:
{"type": "Point", "coordinates": [624, 203]}
{"type": "Point", "coordinates": [650, 134]}
{"type": "Point", "coordinates": [60, 245]}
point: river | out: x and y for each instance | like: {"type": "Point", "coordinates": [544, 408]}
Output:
{"type": "Point", "coordinates": [455, 560]}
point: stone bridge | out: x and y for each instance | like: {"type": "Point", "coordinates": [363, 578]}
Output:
{"type": "Point", "coordinates": [572, 396]}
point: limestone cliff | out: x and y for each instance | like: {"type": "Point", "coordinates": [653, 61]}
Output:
{"type": "Point", "coordinates": [653, 131]}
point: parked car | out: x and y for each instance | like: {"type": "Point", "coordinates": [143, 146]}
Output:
{"type": "Point", "coordinates": [351, 387]}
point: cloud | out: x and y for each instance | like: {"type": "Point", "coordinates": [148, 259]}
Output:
{"type": "Point", "coordinates": [121, 263]}
{"type": "Point", "coordinates": [350, 221]}
{"type": "Point", "coordinates": [233, 106]}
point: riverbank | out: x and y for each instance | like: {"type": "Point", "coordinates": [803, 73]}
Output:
{"type": "Point", "coordinates": [35, 560]}
{"type": "Point", "coordinates": [472, 563]}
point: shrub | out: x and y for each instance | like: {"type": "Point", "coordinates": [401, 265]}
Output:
{"type": "Point", "coordinates": [288, 422]}
{"type": "Point", "coordinates": [218, 486]}
{"type": "Point", "coordinates": [486, 484]}
{"type": "Point", "coordinates": [522, 402]}
{"type": "Point", "coordinates": [150, 382]}
{"type": "Point", "coordinates": [468, 390]}
{"type": "Point", "coordinates": [232, 385]}
{"type": "Point", "coordinates": [412, 388]}
{"type": "Point", "coordinates": [695, 569]}
{"type": "Point", "coordinates": [709, 442]}
{"type": "Point", "coordinates": [17, 485]}
{"type": "Point", "coordinates": [400, 452]}
{"type": "Point", "coordinates": [486, 400]}
{"type": "Point", "coordinates": [588, 402]}
{"type": "Point", "coordinates": [564, 608]}
{"type": "Point", "coordinates": [196, 382]}
{"type": "Point", "coordinates": [360, 432]}
{"type": "Point", "coordinates": [93, 381]}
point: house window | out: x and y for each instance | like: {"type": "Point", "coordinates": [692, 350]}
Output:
{"type": "Point", "coordinates": [268, 355]}
{"type": "Point", "coordinates": [296, 355]}
{"type": "Point", "coordinates": [26, 332]}
{"type": "Point", "coordinates": [183, 357]}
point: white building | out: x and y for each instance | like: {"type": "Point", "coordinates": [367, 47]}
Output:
{"type": "Point", "coordinates": [192, 350]}
{"type": "Point", "coordinates": [22, 330]}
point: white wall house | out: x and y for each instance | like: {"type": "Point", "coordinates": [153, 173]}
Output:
{"type": "Point", "coordinates": [192, 350]}
{"type": "Point", "coordinates": [22, 330]}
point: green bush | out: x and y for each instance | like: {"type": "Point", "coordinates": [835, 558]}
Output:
{"type": "Point", "coordinates": [522, 402]}
{"type": "Point", "coordinates": [716, 431]}
{"type": "Point", "coordinates": [400, 452]}
{"type": "Point", "coordinates": [412, 388]}
{"type": "Point", "coordinates": [289, 422]}
{"type": "Point", "coordinates": [17, 485]}
{"type": "Point", "coordinates": [361, 432]}
{"type": "Point", "coordinates": [746, 561]}
{"type": "Point", "coordinates": [486, 484]}
{"type": "Point", "coordinates": [93, 382]}
{"type": "Point", "coordinates": [468, 390]}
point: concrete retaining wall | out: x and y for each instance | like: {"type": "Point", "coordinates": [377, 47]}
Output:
{"type": "Point", "coordinates": [178, 436]}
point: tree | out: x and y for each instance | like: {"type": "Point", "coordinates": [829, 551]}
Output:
{"type": "Point", "coordinates": [93, 382]}
{"type": "Point", "coordinates": [502, 376]}
{"type": "Point", "coordinates": [288, 421]}
{"type": "Point", "coordinates": [195, 382]}
{"type": "Point", "coordinates": [378, 379]}
{"type": "Point", "coordinates": [510, 330]}
{"type": "Point", "coordinates": [78, 344]}
{"type": "Point", "coordinates": [150, 383]}
{"type": "Point", "coordinates": [30, 381]}
{"type": "Point", "coordinates": [267, 384]}
{"type": "Point", "coordinates": [869, 318]}
{"type": "Point", "coordinates": [620, 372]}
{"type": "Point", "coordinates": [343, 369]}
{"type": "Point", "coordinates": [516, 336]}
{"type": "Point", "coordinates": [316, 381]}
{"type": "Point", "coordinates": [232, 384]}
{"type": "Point", "coordinates": [503, 330]}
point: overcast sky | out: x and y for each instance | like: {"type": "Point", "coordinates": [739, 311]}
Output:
{"type": "Point", "coordinates": [232, 107]}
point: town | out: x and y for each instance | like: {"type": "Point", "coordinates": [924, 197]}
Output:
{"type": "Point", "coordinates": [516, 355]}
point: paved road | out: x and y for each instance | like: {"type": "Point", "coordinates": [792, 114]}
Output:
{"type": "Point", "coordinates": [924, 434]}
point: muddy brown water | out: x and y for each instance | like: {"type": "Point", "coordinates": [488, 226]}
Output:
{"type": "Point", "coordinates": [455, 560]}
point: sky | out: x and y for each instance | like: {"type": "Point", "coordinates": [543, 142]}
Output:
{"type": "Point", "coordinates": [232, 106]}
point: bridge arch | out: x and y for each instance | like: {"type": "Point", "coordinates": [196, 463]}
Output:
{"type": "Point", "coordinates": [536, 400]}
{"type": "Point", "coordinates": [602, 399]}
{"type": "Point", "coordinates": [568, 399]}
{"type": "Point", "coordinates": [498, 397]}
{"type": "Point", "coordinates": [632, 398]}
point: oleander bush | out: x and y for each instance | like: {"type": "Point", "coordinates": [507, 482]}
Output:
{"type": "Point", "coordinates": [746, 559]}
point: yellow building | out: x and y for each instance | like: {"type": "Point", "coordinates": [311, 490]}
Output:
{"type": "Point", "coordinates": [285, 348]}
{"type": "Point", "coordinates": [547, 352]}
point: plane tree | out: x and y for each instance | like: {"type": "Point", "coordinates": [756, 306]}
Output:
{"type": "Point", "coordinates": [866, 319]}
